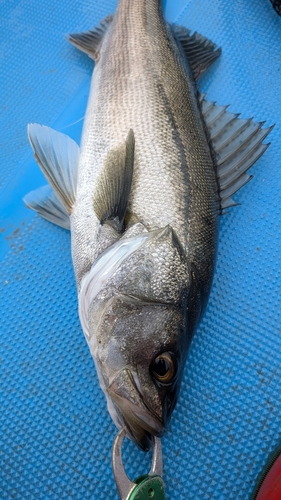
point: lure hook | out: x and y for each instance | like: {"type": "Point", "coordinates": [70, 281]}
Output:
{"type": "Point", "coordinates": [145, 487]}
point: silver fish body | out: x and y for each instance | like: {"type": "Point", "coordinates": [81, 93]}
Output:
{"type": "Point", "coordinates": [142, 81]}
{"type": "Point", "coordinates": [157, 166]}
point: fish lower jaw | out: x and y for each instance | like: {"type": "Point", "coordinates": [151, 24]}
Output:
{"type": "Point", "coordinates": [141, 427]}
{"type": "Point", "coordinates": [137, 433]}
{"type": "Point", "coordinates": [139, 422]}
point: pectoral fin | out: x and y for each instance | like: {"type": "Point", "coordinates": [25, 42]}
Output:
{"type": "Point", "coordinates": [114, 184]}
{"type": "Point", "coordinates": [90, 41]}
{"type": "Point", "coordinates": [200, 51]}
{"type": "Point", "coordinates": [237, 145]}
{"type": "Point", "coordinates": [57, 155]}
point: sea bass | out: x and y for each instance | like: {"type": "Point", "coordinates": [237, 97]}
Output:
{"type": "Point", "coordinates": [143, 196]}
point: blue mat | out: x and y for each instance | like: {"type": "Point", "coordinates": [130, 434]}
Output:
{"type": "Point", "coordinates": [55, 432]}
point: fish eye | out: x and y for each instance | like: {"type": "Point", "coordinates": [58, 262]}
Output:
{"type": "Point", "coordinates": [163, 368]}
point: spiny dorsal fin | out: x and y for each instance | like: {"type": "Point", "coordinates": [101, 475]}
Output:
{"type": "Point", "coordinates": [57, 155]}
{"type": "Point", "coordinates": [200, 51]}
{"type": "Point", "coordinates": [46, 204]}
{"type": "Point", "coordinates": [237, 145]}
{"type": "Point", "coordinates": [90, 41]}
{"type": "Point", "coordinates": [114, 184]}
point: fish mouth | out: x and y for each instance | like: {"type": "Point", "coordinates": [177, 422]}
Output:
{"type": "Point", "coordinates": [141, 424]}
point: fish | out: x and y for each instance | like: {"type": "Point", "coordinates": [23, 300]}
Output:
{"type": "Point", "coordinates": [143, 196]}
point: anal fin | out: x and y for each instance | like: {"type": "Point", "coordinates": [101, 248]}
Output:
{"type": "Point", "coordinates": [90, 41]}
{"type": "Point", "coordinates": [237, 145]}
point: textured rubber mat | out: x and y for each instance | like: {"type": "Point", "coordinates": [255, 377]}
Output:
{"type": "Point", "coordinates": [55, 432]}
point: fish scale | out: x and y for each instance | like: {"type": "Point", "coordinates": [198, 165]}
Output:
{"type": "Point", "coordinates": [159, 125]}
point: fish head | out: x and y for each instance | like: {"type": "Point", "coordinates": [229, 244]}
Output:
{"type": "Point", "coordinates": [140, 355]}
{"type": "Point", "coordinates": [138, 335]}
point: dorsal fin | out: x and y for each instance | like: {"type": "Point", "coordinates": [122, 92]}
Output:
{"type": "Point", "coordinates": [200, 51]}
{"type": "Point", "coordinates": [237, 145]}
{"type": "Point", "coordinates": [90, 41]}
